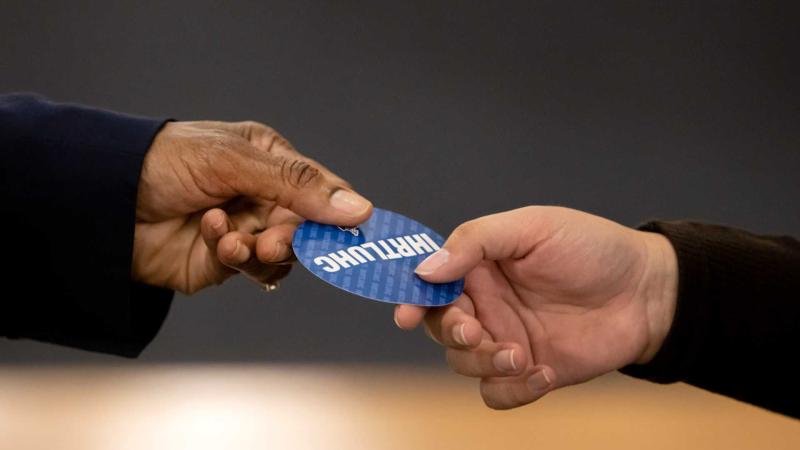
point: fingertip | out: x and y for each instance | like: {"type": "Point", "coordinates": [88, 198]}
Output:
{"type": "Point", "coordinates": [274, 244]}
{"type": "Point", "coordinates": [408, 317]}
{"type": "Point", "coordinates": [226, 247]}
{"type": "Point", "coordinates": [463, 336]}
{"type": "Point", "coordinates": [366, 213]}
{"type": "Point", "coordinates": [503, 393]}
{"type": "Point", "coordinates": [281, 252]}
{"type": "Point", "coordinates": [498, 404]}
{"type": "Point", "coordinates": [471, 331]}
{"type": "Point", "coordinates": [352, 208]}
{"type": "Point", "coordinates": [396, 322]}
{"type": "Point", "coordinates": [509, 359]}
{"type": "Point", "coordinates": [458, 329]}
{"type": "Point", "coordinates": [541, 380]}
{"type": "Point", "coordinates": [233, 250]}
{"type": "Point", "coordinates": [508, 392]}
{"type": "Point", "coordinates": [213, 224]}
{"type": "Point", "coordinates": [445, 265]}
{"type": "Point", "coordinates": [430, 265]}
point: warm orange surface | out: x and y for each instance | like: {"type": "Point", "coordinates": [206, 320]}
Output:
{"type": "Point", "coordinates": [331, 407]}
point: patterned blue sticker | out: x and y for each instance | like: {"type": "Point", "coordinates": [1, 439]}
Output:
{"type": "Point", "coordinates": [376, 260]}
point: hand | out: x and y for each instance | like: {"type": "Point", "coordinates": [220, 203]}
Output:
{"type": "Point", "coordinates": [552, 297]}
{"type": "Point", "coordinates": [215, 198]}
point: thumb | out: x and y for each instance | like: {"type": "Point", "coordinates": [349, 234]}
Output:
{"type": "Point", "coordinates": [274, 170]}
{"type": "Point", "coordinates": [303, 186]}
{"type": "Point", "coordinates": [507, 235]}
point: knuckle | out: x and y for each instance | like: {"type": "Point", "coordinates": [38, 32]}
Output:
{"type": "Point", "coordinates": [270, 140]}
{"type": "Point", "coordinates": [221, 142]}
{"type": "Point", "coordinates": [264, 137]}
{"type": "Point", "coordinates": [281, 143]}
{"type": "Point", "coordinates": [252, 125]}
{"type": "Point", "coordinates": [298, 173]}
{"type": "Point", "coordinates": [251, 129]}
{"type": "Point", "coordinates": [467, 229]}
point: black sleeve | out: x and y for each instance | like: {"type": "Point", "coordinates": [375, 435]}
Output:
{"type": "Point", "coordinates": [737, 324]}
{"type": "Point", "coordinates": [68, 183]}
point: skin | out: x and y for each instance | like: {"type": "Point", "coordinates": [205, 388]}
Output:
{"type": "Point", "coordinates": [218, 198]}
{"type": "Point", "coordinates": [552, 297]}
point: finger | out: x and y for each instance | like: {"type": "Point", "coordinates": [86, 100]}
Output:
{"type": "Point", "coordinates": [274, 244]}
{"type": "Point", "coordinates": [453, 327]}
{"type": "Point", "coordinates": [237, 251]}
{"type": "Point", "coordinates": [488, 359]}
{"type": "Point", "coordinates": [510, 234]}
{"type": "Point", "coordinates": [408, 317]}
{"type": "Point", "coordinates": [213, 225]}
{"type": "Point", "coordinates": [273, 170]}
{"type": "Point", "coordinates": [511, 392]}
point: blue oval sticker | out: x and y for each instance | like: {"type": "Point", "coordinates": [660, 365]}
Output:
{"type": "Point", "coordinates": [375, 260]}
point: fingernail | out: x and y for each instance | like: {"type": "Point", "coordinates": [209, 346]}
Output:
{"type": "Point", "coordinates": [458, 334]}
{"type": "Point", "coordinates": [241, 252]}
{"type": "Point", "coordinates": [349, 203]}
{"type": "Point", "coordinates": [539, 381]}
{"type": "Point", "coordinates": [279, 250]}
{"type": "Point", "coordinates": [217, 226]}
{"type": "Point", "coordinates": [433, 262]}
{"type": "Point", "coordinates": [395, 319]}
{"type": "Point", "coordinates": [504, 361]}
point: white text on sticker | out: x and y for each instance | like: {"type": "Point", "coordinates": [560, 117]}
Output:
{"type": "Point", "coordinates": [384, 249]}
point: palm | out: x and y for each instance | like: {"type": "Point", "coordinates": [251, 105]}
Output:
{"type": "Point", "coordinates": [569, 304]}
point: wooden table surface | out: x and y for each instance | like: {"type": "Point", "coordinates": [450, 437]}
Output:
{"type": "Point", "coordinates": [357, 407]}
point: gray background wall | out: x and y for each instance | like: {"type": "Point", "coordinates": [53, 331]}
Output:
{"type": "Point", "coordinates": [443, 111]}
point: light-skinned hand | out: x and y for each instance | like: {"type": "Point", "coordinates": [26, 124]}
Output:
{"type": "Point", "coordinates": [552, 297]}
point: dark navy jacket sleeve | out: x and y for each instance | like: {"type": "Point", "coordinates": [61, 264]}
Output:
{"type": "Point", "coordinates": [68, 187]}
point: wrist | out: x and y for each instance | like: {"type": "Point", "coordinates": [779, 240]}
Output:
{"type": "Point", "coordinates": [660, 292]}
